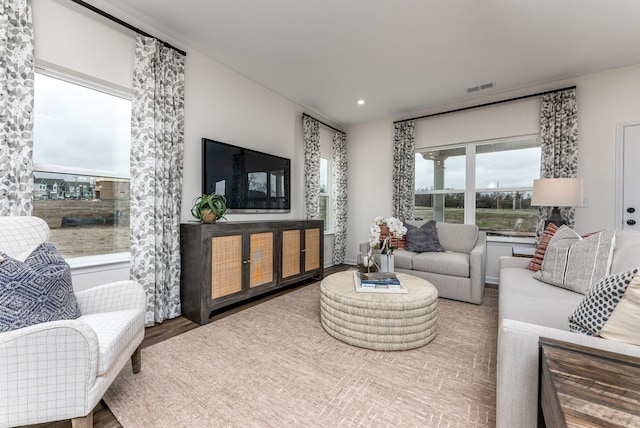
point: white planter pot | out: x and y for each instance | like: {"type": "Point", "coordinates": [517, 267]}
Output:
{"type": "Point", "coordinates": [385, 262]}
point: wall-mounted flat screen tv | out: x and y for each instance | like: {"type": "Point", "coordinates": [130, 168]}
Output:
{"type": "Point", "coordinates": [252, 181]}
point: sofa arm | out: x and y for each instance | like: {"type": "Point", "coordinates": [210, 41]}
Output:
{"type": "Point", "coordinates": [477, 267]}
{"type": "Point", "coordinates": [517, 368]}
{"type": "Point", "coordinates": [115, 296]}
{"type": "Point", "coordinates": [53, 362]}
{"type": "Point", "coordinates": [517, 262]}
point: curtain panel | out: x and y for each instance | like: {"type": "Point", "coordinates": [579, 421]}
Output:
{"type": "Point", "coordinates": [340, 190]}
{"type": "Point", "coordinates": [403, 198]}
{"type": "Point", "coordinates": [559, 146]}
{"type": "Point", "coordinates": [157, 147]}
{"type": "Point", "coordinates": [16, 107]}
{"type": "Point", "coordinates": [311, 129]}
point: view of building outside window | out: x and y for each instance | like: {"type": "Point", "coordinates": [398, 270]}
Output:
{"type": "Point", "coordinates": [502, 173]}
{"type": "Point", "coordinates": [81, 166]}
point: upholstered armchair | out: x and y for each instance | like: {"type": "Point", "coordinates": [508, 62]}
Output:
{"type": "Point", "coordinates": [60, 369]}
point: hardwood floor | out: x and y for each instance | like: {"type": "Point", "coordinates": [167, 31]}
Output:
{"type": "Point", "coordinates": [102, 416]}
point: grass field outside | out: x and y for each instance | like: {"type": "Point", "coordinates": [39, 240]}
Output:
{"type": "Point", "coordinates": [501, 221]}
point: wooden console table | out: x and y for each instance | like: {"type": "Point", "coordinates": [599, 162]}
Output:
{"type": "Point", "coordinates": [587, 387]}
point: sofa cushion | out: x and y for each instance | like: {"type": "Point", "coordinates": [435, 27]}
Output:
{"type": "Point", "coordinates": [575, 263]}
{"type": "Point", "coordinates": [522, 298]}
{"type": "Point", "coordinates": [611, 309]}
{"type": "Point", "coordinates": [536, 262]}
{"type": "Point", "coordinates": [424, 238]}
{"type": "Point", "coordinates": [37, 290]}
{"type": "Point", "coordinates": [459, 238]}
{"type": "Point", "coordinates": [449, 263]}
{"type": "Point", "coordinates": [403, 259]}
{"type": "Point", "coordinates": [114, 330]}
{"type": "Point", "coordinates": [626, 252]}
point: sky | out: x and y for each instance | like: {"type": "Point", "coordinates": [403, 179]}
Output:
{"type": "Point", "coordinates": [78, 127]}
{"type": "Point", "coordinates": [515, 168]}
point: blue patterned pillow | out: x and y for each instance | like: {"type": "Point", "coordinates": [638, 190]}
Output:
{"type": "Point", "coordinates": [598, 304]}
{"type": "Point", "coordinates": [37, 290]}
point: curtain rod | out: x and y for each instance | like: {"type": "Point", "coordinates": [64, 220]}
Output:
{"type": "Point", "coordinates": [125, 24]}
{"type": "Point", "coordinates": [486, 104]}
{"type": "Point", "coordinates": [319, 121]}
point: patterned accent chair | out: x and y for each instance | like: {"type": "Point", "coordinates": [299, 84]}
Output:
{"type": "Point", "coordinates": [61, 369]}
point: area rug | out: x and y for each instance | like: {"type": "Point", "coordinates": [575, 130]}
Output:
{"type": "Point", "coordinates": [273, 365]}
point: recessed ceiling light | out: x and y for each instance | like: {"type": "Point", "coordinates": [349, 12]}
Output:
{"type": "Point", "coordinates": [360, 102]}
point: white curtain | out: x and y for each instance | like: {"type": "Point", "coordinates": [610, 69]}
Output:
{"type": "Point", "coordinates": [340, 190]}
{"type": "Point", "coordinates": [16, 107]}
{"type": "Point", "coordinates": [559, 145]}
{"type": "Point", "coordinates": [157, 145]}
{"type": "Point", "coordinates": [404, 166]}
{"type": "Point", "coordinates": [311, 129]}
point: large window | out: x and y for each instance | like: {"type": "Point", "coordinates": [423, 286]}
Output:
{"type": "Point", "coordinates": [487, 183]}
{"type": "Point", "coordinates": [82, 136]}
{"type": "Point", "coordinates": [326, 194]}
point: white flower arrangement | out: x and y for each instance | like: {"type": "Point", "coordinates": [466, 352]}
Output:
{"type": "Point", "coordinates": [395, 229]}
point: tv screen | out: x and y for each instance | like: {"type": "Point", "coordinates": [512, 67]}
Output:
{"type": "Point", "coordinates": [251, 181]}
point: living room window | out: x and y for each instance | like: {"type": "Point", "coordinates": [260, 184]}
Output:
{"type": "Point", "coordinates": [326, 196]}
{"type": "Point", "coordinates": [488, 183]}
{"type": "Point", "coordinates": [82, 132]}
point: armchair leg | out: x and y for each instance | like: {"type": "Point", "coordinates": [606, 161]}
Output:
{"type": "Point", "coordinates": [136, 359]}
{"type": "Point", "coordinates": [86, 422]}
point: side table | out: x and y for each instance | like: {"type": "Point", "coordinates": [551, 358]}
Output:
{"type": "Point", "coordinates": [587, 387]}
{"type": "Point", "coordinates": [523, 251]}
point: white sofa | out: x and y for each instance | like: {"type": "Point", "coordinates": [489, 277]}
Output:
{"type": "Point", "coordinates": [530, 309]}
{"type": "Point", "coordinates": [61, 369]}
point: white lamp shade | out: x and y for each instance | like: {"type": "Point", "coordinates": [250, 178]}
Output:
{"type": "Point", "coordinates": [557, 192]}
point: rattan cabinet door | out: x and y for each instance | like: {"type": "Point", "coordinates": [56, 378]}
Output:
{"type": "Point", "coordinates": [291, 252]}
{"type": "Point", "coordinates": [226, 265]}
{"type": "Point", "coordinates": [261, 259]}
{"type": "Point", "coordinates": [312, 249]}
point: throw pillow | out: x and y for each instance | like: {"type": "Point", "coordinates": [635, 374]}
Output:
{"type": "Point", "coordinates": [397, 243]}
{"type": "Point", "coordinates": [536, 263]}
{"type": "Point", "coordinates": [424, 239]}
{"type": "Point", "coordinates": [611, 309]}
{"type": "Point", "coordinates": [575, 263]}
{"type": "Point", "coordinates": [37, 290]}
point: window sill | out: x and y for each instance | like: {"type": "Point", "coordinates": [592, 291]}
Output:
{"type": "Point", "coordinates": [100, 262]}
{"type": "Point", "coordinates": [512, 239]}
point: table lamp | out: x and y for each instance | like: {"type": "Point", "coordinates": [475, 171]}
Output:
{"type": "Point", "coordinates": [555, 193]}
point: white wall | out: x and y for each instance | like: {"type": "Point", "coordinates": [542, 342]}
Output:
{"type": "Point", "coordinates": [219, 103]}
{"type": "Point", "coordinates": [604, 99]}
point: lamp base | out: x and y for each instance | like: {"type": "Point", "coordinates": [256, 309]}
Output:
{"type": "Point", "coordinates": [555, 218]}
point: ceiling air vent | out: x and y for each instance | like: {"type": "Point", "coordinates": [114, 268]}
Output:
{"type": "Point", "coordinates": [479, 88]}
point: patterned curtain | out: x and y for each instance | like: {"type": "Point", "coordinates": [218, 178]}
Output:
{"type": "Point", "coordinates": [404, 165]}
{"type": "Point", "coordinates": [559, 134]}
{"type": "Point", "coordinates": [340, 190]}
{"type": "Point", "coordinates": [311, 128]}
{"type": "Point", "coordinates": [16, 107]}
{"type": "Point", "coordinates": [157, 133]}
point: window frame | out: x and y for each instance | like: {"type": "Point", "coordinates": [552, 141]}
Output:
{"type": "Point", "coordinates": [117, 259]}
{"type": "Point", "coordinates": [470, 189]}
{"type": "Point", "coordinates": [328, 227]}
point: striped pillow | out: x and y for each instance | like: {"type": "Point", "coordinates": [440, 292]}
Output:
{"type": "Point", "coordinates": [536, 263]}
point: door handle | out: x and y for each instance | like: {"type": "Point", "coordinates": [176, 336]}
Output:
{"type": "Point", "coordinates": [631, 222]}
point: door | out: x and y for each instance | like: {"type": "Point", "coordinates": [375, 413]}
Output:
{"type": "Point", "coordinates": [628, 176]}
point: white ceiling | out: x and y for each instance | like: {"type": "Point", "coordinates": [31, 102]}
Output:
{"type": "Point", "coordinates": [401, 56]}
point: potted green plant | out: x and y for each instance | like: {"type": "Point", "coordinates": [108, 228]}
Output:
{"type": "Point", "coordinates": [209, 208]}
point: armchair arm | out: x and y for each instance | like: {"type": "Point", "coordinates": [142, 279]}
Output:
{"type": "Point", "coordinates": [115, 296]}
{"type": "Point", "coordinates": [47, 372]}
{"type": "Point", "coordinates": [477, 262]}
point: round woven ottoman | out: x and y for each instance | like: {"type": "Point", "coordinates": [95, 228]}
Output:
{"type": "Point", "coordinates": [379, 321]}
